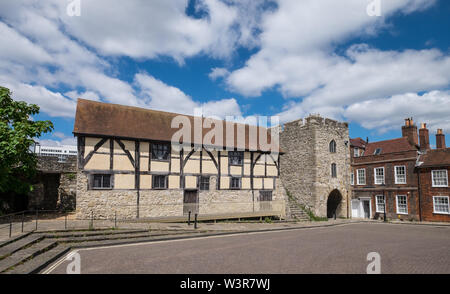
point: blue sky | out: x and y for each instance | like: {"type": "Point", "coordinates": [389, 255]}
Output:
{"type": "Point", "coordinates": [287, 58]}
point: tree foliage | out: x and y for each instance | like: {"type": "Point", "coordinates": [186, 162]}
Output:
{"type": "Point", "coordinates": [17, 133]}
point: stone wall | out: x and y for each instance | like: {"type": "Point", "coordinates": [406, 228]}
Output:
{"type": "Point", "coordinates": [161, 203]}
{"type": "Point", "coordinates": [55, 184]}
{"type": "Point", "coordinates": [306, 164]}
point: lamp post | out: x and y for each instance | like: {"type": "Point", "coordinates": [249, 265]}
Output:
{"type": "Point", "coordinates": [384, 200]}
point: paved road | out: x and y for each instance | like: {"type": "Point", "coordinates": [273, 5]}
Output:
{"type": "Point", "coordinates": [341, 249]}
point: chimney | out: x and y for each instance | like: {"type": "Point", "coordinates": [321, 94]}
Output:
{"type": "Point", "coordinates": [440, 140]}
{"type": "Point", "coordinates": [409, 130]}
{"type": "Point", "coordinates": [424, 137]}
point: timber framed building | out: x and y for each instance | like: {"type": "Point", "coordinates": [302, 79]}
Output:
{"type": "Point", "coordinates": [128, 166]}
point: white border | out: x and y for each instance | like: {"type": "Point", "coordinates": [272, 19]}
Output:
{"type": "Point", "coordinates": [375, 176]}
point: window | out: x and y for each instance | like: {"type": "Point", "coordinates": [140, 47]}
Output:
{"type": "Point", "coordinates": [204, 183]}
{"type": "Point", "coordinates": [352, 178]}
{"type": "Point", "coordinates": [265, 195]}
{"type": "Point", "coordinates": [379, 175]}
{"type": "Point", "coordinates": [441, 204]}
{"type": "Point", "coordinates": [101, 181]}
{"type": "Point", "coordinates": [236, 157]}
{"type": "Point", "coordinates": [377, 151]}
{"type": "Point", "coordinates": [439, 178]}
{"type": "Point", "coordinates": [333, 170]}
{"type": "Point", "coordinates": [402, 204]}
{"type": "Point", "coordinates": [160, 151]}
{"type": "Point", "coordinates": [361, 176]}
{"type": "Point", "coordinates": [356, 152]}
{"type": "Point", "coordinates": [333, 146]}
{"type": "Point", "coordinates": [235, 183]}
{"type": "Point", "coordinates": [159, 182]}
{"type": "Point", "coordinates": [380, 203]}
{"type": "Point", "coordinates": [400, 174]}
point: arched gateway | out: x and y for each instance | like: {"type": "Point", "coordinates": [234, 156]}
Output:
{"type": "Point", "coordinates": [334, 200]}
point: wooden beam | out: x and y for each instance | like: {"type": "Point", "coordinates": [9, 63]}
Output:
{"type": "Point", "coordinates": [96, 147]}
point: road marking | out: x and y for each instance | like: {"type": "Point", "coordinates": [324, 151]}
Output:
{"type": "Point", "coordinates": [63, 259]}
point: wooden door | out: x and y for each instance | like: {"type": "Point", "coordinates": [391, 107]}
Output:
{"type": "Point", "coordinates": [190, 202]}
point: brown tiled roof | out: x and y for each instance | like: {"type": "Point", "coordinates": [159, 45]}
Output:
{"type": "Point", "coordinates": [389, 146]}
{"type": "Point", "coordinates": [358, 142]}
{"type": "Point", "coordinates": [435, 157]}
{"type": "Point", "coordinates": [105, 119]}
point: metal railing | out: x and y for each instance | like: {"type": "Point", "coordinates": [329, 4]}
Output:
{"type": "Point", "coordinates": [113, 217]}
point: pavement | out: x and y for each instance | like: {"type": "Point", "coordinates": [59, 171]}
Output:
{"type": "Point", "coordinates": [324, 247]}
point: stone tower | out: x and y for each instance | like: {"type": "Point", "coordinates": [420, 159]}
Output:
{"type": "Point", "coordinates": [315, 168]}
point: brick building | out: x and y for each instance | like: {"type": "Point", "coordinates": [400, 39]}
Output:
{"type": "Point", "coordinates": [433, 168]}
{"type": "Point", "coordinates": [385, 176]}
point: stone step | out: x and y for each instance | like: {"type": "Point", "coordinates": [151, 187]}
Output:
{"type": "Point", "coordinates": [39, 262]}
{"type": "Point", "coordinates": [90, 233]}
{"type": "Point", "coordinates": [25, 254]}
{"type": "Point", "coordinates": [13, 247]}
{"type": "Point", "coordinates": [116, 237]}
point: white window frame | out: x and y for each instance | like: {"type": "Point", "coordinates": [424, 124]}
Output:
{"type": "Point", "coordinates": [396, 177]}
{"type": "Point", "coordinates": [356, 152]}
{"type": "Point", "coordinates": [434, 205]}
{"type": "Point", "coordinates": [357, 176]}
{"type": "Point", "coordinates": [375, 176]}
{"type": "Point", "coordinates": [432, 177]}
{"type": "Point", "coordinates": [396, 200]}
{"type": "Point", "coordinates": [377, 209]}
{"type": "Point", "coordinates": [352, 178]}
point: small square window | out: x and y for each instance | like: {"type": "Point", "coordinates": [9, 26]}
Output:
{"type": "Point", "coordinates": [101, 181]}
{"type": "Point", "coordinates": [235, 183]}
{"type": "Point", "coordinates": [236, 157]}
{"type": "Point", "coordinates": [159, 182]}
{"type": "Point", "coordinates": [204, 183]}
{"type": "Point", "coordinates": [160, 151]}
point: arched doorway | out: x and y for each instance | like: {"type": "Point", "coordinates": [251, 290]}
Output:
{"type": "Point", "coordinates": [334, 199]}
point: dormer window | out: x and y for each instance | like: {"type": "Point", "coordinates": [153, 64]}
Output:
{"type": "Point", "coordinates": [377, 151]}
{"type": "Point", "coordinates": [356, 152]}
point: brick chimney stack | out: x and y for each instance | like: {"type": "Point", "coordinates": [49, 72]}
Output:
{"type": "Point", "coordinates": [409, 130]}
{"type": "Point", "coordinates": [440, 139]}
{"type": "Point", "coordinates": [424, 137]}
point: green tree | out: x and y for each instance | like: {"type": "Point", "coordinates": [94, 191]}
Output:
{"type": "Point", "coordinates": [17, 134]}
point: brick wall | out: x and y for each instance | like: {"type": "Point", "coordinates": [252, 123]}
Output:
{"type": "Point", "coordinates": [427, 192]}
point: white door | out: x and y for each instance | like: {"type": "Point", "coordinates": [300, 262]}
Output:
{"type": "Point", "coordinates": [355, 208]}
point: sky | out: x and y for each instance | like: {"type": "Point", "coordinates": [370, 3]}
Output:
{"type": "Point", "coordinates": [371, 63]}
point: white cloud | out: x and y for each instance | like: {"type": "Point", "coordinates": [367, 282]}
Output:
{"type": "Point", "coordinates": [218, 72]}
{"type": "Point", "coordinates": [385, 114]}
{"type": "Point", "coordinates": [161, 96]}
